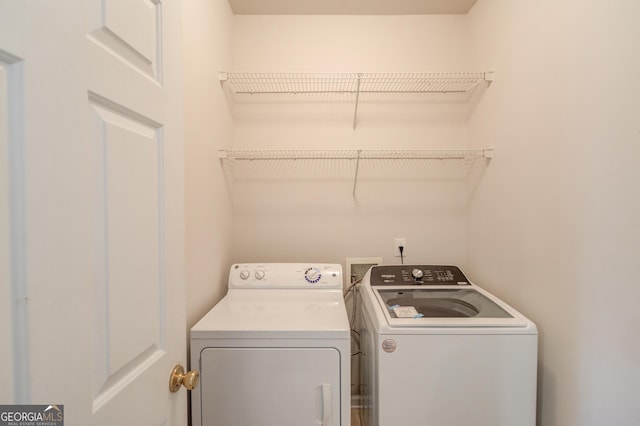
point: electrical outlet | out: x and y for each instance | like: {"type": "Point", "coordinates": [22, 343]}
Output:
{"type": "Point", "coordinates": [358, 266]}
{"type": "Point", "coordinates": [400, 242]}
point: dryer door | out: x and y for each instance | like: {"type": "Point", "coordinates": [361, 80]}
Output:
{"type": "Point", "coordinates": [270, 386]}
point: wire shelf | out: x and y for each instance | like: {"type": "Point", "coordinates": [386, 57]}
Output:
{"type": "Point", "coordinates": [354, 84]}
{"type": "Point", "coordinates": [417, 82]}
{"type": "Point", "coordinates": [307, 162]}
{"type": "Point", "coordinates": [354, 154]}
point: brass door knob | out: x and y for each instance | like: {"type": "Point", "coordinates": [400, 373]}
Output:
{"type": "Point", "coordinates": [178, 377]}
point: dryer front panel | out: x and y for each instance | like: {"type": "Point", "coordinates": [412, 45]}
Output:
{"type": "Point", "coordinates": [270, 386]}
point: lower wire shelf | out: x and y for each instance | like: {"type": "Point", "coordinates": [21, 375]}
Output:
{"type": "Point", "coordinates": [231, 158]}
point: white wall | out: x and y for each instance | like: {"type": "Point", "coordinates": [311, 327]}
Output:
{"type": "Point", "coordinates": [554, 223]}
{"type": "Point", "coordinates": [208, 127]}
{"type": "Point", "coordinates": [305, 211]}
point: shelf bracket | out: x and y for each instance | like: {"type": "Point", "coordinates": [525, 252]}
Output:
{"type": "Point", "coordinates": [487, 153]}
{"type": "Point", "coordinates": [488, 77]}
{"type": "Point", "coordinates": [355, 177]}
{"type": "Point", "coordinates": [355, 112]}
{"type": "Point", "coordinates": [223, 76]}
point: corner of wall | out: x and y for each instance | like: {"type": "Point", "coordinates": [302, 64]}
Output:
{"type": "Point", "coordinates": [208, 127]}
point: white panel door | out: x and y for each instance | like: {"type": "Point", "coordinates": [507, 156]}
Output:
{"type": "Point", "coordinates": [270, 387]}
{"type": "Point", "coordinates": [5, 233]}
{"type": "Point", "coordinates": [8, 73]}
{"type": "Point", "coordinates": [91, 245]}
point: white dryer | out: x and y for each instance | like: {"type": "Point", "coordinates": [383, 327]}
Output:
{"type": "Point", "coordinates": [439, 351]}
{"type": "Point", "coordinates": [275, 351]}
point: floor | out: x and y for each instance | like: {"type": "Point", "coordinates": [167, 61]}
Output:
{"type": "Point", "coordinates": [355, 417]}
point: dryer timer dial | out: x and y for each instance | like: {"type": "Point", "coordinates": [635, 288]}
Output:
{"type": "Point", "coordinates": [312, 275]}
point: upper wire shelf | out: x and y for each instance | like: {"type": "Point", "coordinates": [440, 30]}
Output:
{"type": "Point", "coordinates": [415, 82]}
{"type": "Point", "coordinates": [352, 83]}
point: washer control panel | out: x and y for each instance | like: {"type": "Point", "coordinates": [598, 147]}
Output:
{"type": "Point", "coordinates": [285, 275]}
{"type": "Point", "coordinates": [417, 275]}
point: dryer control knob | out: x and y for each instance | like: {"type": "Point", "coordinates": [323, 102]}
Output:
{"type": "Point", "coordinates": [417, 274]}
{"type": "Point", "coordinates": [259, 275]}
{"type": "Point", "coordinates": [244, 275]}
{"type": "Point", "coordinates": [312, 275]}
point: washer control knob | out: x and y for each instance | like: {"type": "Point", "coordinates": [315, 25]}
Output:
{"type": "Point", "coordinates": [244, 274]}
{"type": "Point", "coordinates": [417, 274]}
{"type": "Point", "coordinates": [259, 274]}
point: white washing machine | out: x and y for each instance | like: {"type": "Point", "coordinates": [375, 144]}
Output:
{"type": "Point", "coordinates": [439, 351]}
{"type": "Point", "coordinates": [275, 351]}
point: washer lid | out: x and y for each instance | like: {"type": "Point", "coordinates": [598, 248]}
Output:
{"type": "Point", "coordinates": [454, 307]}
{"type": "Point", "coordinates": [277, 313]}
